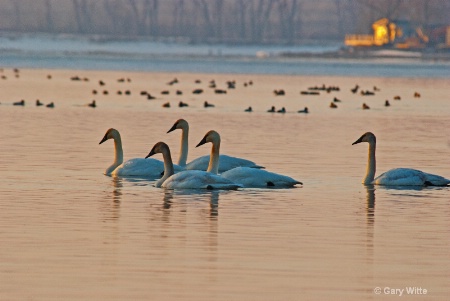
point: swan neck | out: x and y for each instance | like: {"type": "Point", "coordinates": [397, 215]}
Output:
{"type": "Point", "coordinates": [184, 147]}
{"type": "Point", "coordinates": [118, 155]}
{"type": "Point", "coordinates": [371, 164]}
{"type": "Point", "coordinates": [213, 166]}
{"type": "Point", "coordinates": [168, 167]}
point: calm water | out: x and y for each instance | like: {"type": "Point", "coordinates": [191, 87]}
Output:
{"type": "Point", "coordinates": [74, 52]}
{"type": "Point", "coordinates": [70, 233]}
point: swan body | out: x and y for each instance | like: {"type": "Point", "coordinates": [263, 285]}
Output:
{"type": "Point", "coordinates": [397, 176]}
{"type": "Point", "coordinates": [201, 163]}
{"type": "Point", "coordinates": [137, 167]}
{"type": "Point", "coordinates": [245, 176]}
{"type": "Point", "coordinates": [188, 179]}
{"type": "Point", "coordinates": [225, 163]}
{"type": "Point", "coordinates": [258, 178]}
{"type": "Point", "coordinates": [409, 177]}
{"type": "Point", "coordinates": [198, 179]}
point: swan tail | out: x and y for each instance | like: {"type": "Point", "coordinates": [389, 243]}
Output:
{"type": "Point", "coordinates": [223, 186]}
{"type": "Point", "coordinates": [435, 180]}
{"type": "Point", "coordinates": [257, 167]}
{"type": "Point", "coordinates": [283, 184]}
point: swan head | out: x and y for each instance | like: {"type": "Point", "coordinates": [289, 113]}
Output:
{"type": "Point", "coordinates": [366, 137]}
{"type": "Point", "coordinates": [211, 136]}
{"type": "Point", "coordinates": [158, 148]}
{"type": "Point", "coordinates": [179, 124]}
{"type": "Point", "coordinates": [110, 134]}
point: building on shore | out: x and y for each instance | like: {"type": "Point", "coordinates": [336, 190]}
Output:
{"type": "Point", "coordinates": [401, 35]}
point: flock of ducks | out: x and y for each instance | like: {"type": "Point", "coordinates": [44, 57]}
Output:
{"type": "Point", "coordinates": [219, 171]}
{"type": "Point", "coordinates": [230, 84]}
{"type": "Point", "coordinates": [315, 90]}
{"type": "Point", "coordinates": [38, 103]}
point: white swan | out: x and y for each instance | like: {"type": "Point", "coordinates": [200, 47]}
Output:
{"type": "Point", "coordinates": [138, 167]}
{"type": "Point", "coordinates": [188, 179]}
{"type": "Point", "coordinates": [397, 176]}
{"type": "Point", "coordinates": [226, 162]}
{"type": "Point", "coordinates": [246, 176]}
{"type": "Point", "coordinates": [259, 178]}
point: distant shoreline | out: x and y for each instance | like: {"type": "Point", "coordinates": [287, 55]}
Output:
{"type": "Point", "coordinates": [374, 53]}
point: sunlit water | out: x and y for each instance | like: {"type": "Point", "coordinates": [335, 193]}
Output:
{"type": "Point", "coordinates": [70, 233]}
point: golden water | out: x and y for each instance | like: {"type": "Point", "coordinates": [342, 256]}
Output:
{"type": "Point", "coordinates": [68, 232]}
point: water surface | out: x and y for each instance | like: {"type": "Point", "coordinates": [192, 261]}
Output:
{"type": "Point", "coordinates": [80, 52]}
{"type": "Point", "coordinates": [71, 233]}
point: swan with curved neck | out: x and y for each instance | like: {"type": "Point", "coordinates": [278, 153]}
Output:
{"type": "Point", "coordinates": [118, 151]}
{"type": "Point", "coordinates": [245, 176]}
{"type": "Point", "coordinates": [184, 126]}
{"type": "Point", "coordinates": [163, 148]}
{"type": "Point", "coordinates": [214, 138]}
{"type": "Point", "coordinates": [137, 167]}
{"type": "Point", "coordinates": [201, 163]}
{"type": "Point", "coordinates": [397, 176]}
{"type": "Point", "coordinates": [188, 179]}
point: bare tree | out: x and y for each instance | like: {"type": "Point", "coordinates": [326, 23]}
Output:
{"type": "Point", "coordinates": [340, 15]}
{"type": "Point", "coordinates": [204, 8]}
{"type": "Point", "coordinates": [429, 12]}
{"type": "Point", "coordinates": [83, 15]}
{"type": "Point", "coordinates": [17, 14]}
{"type": "Point", "coordinates": [153, 11]}
{"type": "Point", "coordinates": [139, 16]}
{"type": "Point", "coordinates": [219, 18]}
{"type": "Point", "coordinates": [288, 11]}
{"type": "Point", "coordinates": [118, 17]}
{"type": "Point", "coordinates": [241, 11]}
{"type": "Point", "coordinates": [50, 26]}
{"type": "Point", "coordinates": [383, 8]}
{"type": "Point", "coordinates": [260, 13]}
{"type": "Point", "coordinates": [249, 21]}
{"type": "Point", "coordinates": [178, 20]}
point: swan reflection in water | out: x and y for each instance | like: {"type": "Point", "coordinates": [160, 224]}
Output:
{"type": "Point", "coordinates": [187, 207]}
{"type": "Point", "coordinates": [193, 195]}
{"type": "Point", "coordinates": [370, 225]}
{"type": "Point", "coordinates": [117, 191]}
{"type": "Point", "coordinates": [110, 211]}
{"type": "Point", "coordinates": [397, 190]}
{"type": "Point", "coordinates": [370, 203]}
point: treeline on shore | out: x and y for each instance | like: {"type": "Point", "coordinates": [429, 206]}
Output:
{"type": "Point", "coordinates": [223, 21]}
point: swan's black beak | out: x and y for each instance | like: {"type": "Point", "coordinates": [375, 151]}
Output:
{"type": "Point", "coordinates": [358, 141]}
{"type": "Point", "coordinates": [151, 153]}
{"type": "Point", "coordinates": [202, 142]}
{"type": "Point", "coordinates": [104, 139]}
{"type": "Point", "coordinates": [173, 128]}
